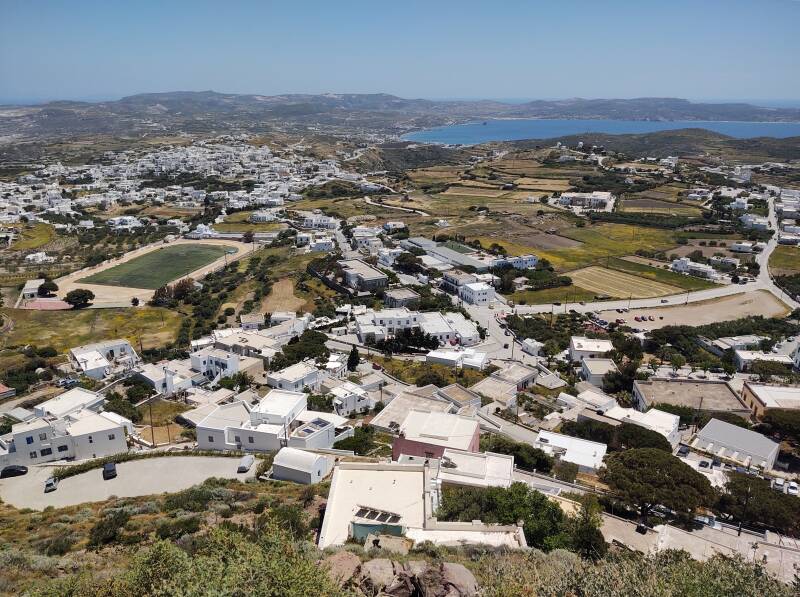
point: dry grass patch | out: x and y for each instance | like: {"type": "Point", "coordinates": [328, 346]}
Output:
{"type": "Point", "coordinates": [282, 297]}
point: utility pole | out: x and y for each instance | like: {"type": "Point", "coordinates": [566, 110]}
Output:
{"type": "Point", "coordinates": [744, 509]}
{"type": "Point", "coordinates": [152, 425]}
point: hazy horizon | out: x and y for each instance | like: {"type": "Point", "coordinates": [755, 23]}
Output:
{"type": "Point", "coordinates": [767, 103]}
{"type": "Point", "coordinates": [57, 49]}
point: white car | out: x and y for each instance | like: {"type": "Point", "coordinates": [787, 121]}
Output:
{"type": "Point", "coordinates": [779, 484]}
{"type": "Point", "coordinates": [792, 488]}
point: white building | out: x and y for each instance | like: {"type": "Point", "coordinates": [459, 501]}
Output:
{"type": "Point", "coordinates": [476, 293]}
{"type": "Point", "coordinates": [586, 454]}
{"type": "Point", "coordinates": [736, 444]}
{"type": "Point", "coordinates": [594, 370]}
{"type": "Point", "coordinates": [80, 436]}
{"type": "Point", "coordinates": [581, 348]}
{"type": "Point", "coordinates": [297, 377]}
{"type": "Point", "coordinates": [684, 265]}
{"type": "Point", "coordinates": [744, 359]}
{"type": "Point", "coordinates": [280, 419]}
{"type": "Point", "coordinates": [656, 420]}
{"type": "Point", "coordinates": [101, 359]}
{"type": "Point", "coordinates": [292, 464]}
{"type": "Point", "coordinates": [349, 398]}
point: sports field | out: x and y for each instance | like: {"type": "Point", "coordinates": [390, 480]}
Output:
{"type": "Point", "coordinates": [160, 267]}
{"type": "Point", "coordinates": [619, 284]}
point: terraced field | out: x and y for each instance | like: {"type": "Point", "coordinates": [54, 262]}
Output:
{"type": "Point", "coordinates": [601, 280]}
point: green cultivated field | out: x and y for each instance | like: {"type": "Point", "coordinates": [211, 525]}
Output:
{"type": "Point", "coordinates": [157, 268]}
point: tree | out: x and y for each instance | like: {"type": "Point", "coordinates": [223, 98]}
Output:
{"type": "Point", "coordinates": [526, 457]}
{"type": "Point", "coordinates": [353, 359]}
{"type": "Point", "coordinates": [784, 422]}
{"type": "Point", "coordinates": [728, 368]}
{"type": "Point", "coordinates": [162, 297]}
{"type": "Point", "coordinates": [182, 288]}
{"type": "Point", "coordinates": [430, 378]}
{"type": "Point", "coordinates": [584, 529]}
{"type": "Point", "coordinates": [542, 520]}
{"type": "Point", "coordinates": [79, 298]}
{"type": "Point", "coordinates": [361, 442]}
{"type": "Point", "coordinates": [767, 369]}
{"type": "Point", "coordinates": [749, 500]}
{"type": "Point", "coordinates": [646, 477]}
{"type": "Point", "coordinates": [677, 361]}
{"type": "Point", "coordinates": [117, 404]}
{"type": "Point", "coordinates": [622, 379]}
{"type": "Point", "coordinates": [47, 288]}
{"type": "Point", "coordinates": [248, 236]}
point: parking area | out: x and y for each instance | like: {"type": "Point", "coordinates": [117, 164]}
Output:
{"type": "Point", "coordinates": [135, 478]}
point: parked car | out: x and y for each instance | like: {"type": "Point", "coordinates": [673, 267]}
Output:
{"type": "Point", "coordinates": [779, 484]}
{"type": "Point", "coordinates": [704, 464]}
{"type": "Point", "coordinates": [13, 470]}
{"type": "Point", "coordinates": [376, 366]}
{"type": "Point", "coordinates": [683, 450]}
{"type": "Point", "coordinates": [792, 488]}
{"type": "Point", "coordinates": [50, 485]}
{"type": "Point", "coordinates": [109, 471]}
{"type": "Point", "coordinates": [664, 301]}
{"type": "Point", "coordinates": [245, 463]}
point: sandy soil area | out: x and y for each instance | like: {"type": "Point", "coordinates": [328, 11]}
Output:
{"type": "Point", "coordinates": [726, 308]}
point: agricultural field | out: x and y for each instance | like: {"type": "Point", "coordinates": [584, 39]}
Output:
{"type": "Point", "coordinates": [32, 236]}
{"type": "Point", "coordinates": [64, 329]}
{"type": "Point", "coordinates": [615, 283]}
{"type": "Point", "coordinates": [159, 267]}
{"type": "Point", "coordinates": [593, 243]}
{"type": "Point", "coordinates": [659, 206]}
{"type": "Point", "coordinates": [565, 294]}
{"type": "Point", "coordinates": [785, 260]}
{"type": "Point", "coordinates": [663, 276]}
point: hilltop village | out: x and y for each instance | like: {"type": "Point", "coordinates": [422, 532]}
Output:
{"type": "Point", "coordinates": [610, 341]}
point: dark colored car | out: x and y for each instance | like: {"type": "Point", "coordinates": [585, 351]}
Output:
{"type": "Point", "coordinates": [109, 471]}
{"type": "Point", "coordinates": [13, 470]}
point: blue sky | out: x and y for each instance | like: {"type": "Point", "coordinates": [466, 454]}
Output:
{"type": "Point", "coordinates": [698, 49]}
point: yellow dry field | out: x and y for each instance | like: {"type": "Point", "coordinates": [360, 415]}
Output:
{"type": "Point", "coordinates": [474, 192]}
{"type": "Point", "coordinates": [282, 298]}
{"type": "Point", "coordinates": [619, 284]}
{"type": "Point", "coordinates": [543, 184]}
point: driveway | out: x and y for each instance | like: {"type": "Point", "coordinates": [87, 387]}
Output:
{"type": "Point", "coordinates": [134, 478]}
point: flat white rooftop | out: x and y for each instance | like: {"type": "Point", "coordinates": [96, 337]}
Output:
{"type": "Point", "coordinates": [392, 488]}
{"type": "Point", "coordinates": [279, 402]}
{"type": "Point", "coordinates": [440, 429]}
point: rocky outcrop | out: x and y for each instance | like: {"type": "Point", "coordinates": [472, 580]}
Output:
{"type": "Point", "coordinates": [416, 578]}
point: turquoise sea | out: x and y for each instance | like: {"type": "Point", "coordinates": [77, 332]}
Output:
{"type": "Point", "coordinates": [511, 130]}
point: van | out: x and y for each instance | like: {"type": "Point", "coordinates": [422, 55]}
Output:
{"type": "Point", "coordinates": [245, 463]}
{"type": "Point", "coordinates": [109, 471]}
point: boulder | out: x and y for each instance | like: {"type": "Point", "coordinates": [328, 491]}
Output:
{"type": "Point", "coordinates": [377, 574]}
{"type": "Point", "coordinates": [447, 580]}
{"type": "Point", "coordinates": [342, 566]}
{"type": "Point", "coordinates": [457, 577]}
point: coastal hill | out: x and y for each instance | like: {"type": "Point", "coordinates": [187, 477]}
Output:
{"type": "Point", "coordinates": [212, 112]}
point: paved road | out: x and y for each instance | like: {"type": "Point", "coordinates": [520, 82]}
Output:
{"type": "Point", "coordinates": [135, 478]}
